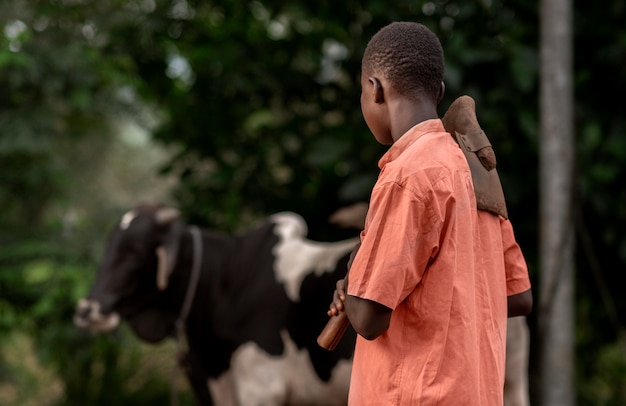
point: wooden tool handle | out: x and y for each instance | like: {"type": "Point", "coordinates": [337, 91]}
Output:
{"type": "Point", "coordinates": [333, 331]}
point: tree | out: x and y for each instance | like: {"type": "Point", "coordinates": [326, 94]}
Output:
{"type": "Point", "coordinates": [556, 298]}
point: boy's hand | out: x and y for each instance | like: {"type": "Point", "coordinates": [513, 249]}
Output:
{"type": "Point", "coordinates": [339, 296]}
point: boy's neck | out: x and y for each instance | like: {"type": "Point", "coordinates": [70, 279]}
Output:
{"type": "Point", "coordinates": [406, 114]}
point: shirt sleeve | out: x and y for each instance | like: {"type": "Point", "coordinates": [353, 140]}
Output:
{"type": "Point", "coordinates": [517, 279]}
{"type": "Point", "coordinates": [399, 238]}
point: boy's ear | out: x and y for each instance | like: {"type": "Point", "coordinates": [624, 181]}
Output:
{"type": "Point", "coordinates": [442, 91]}
{"type": "Point", "coordinates": [379, 93]}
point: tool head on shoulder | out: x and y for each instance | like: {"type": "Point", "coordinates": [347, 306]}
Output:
{"type": "Point", "coordinates": [461, 122]}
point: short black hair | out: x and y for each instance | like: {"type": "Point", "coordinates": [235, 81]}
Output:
{"type": "Point", "coordinates": [409, 56]}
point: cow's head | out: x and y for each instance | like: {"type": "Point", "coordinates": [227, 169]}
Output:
{"type": "Point", "coordinates": [140, 256]}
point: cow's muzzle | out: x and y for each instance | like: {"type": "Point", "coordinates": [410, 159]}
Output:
{"type": "Point", "coordinates": [88, 316]}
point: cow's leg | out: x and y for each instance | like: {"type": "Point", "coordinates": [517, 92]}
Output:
{"type": "Point", "coordinates": [198, 379]}
{"type": "Point", "coordinates": [517, 350]}
{"type": "Point", "coordinates": [258, 377]}
{"type": "Point", "coordinates": [223, 390]}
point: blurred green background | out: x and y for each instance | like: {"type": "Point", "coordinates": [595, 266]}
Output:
{"type": "Point", "coordinates": [233, 110]}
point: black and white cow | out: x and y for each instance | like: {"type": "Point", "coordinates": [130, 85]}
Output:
{"type": "Point", "coordinates": [252, 317]}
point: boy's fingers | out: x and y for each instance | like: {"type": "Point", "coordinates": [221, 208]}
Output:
{"type": "Point", "coordinates": [340, 289]}
{"type": "Point", "coordinates": [338, 299]}
{"type": "Point", "coordinates": [339, 295]}
{"type": "Point", "coordinates": [333, 310]}
{"type": "Point", "coordinates": [336, 306]}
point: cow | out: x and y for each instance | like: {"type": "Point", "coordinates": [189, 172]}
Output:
{"type": "Point", "coordinates": [249, 307]}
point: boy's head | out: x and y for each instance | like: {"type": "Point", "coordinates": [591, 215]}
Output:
{"type": "Point", "coordinates": [410, 57]}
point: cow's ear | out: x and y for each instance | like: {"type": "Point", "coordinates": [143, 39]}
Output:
{"type": "Point", "coordinates": [167, 252]}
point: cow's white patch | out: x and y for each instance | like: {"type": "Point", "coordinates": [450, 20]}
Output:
{"type": "Point", "coordinates": [296, 256]}
{"type": "Point", "coordinates": [257, 378]}
{"type": "Point", "coordinates": [127, 218]}
{"type": "Point", "coordinates": [290, 225]}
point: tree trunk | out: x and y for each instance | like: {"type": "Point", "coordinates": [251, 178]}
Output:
{"type": "Point", "coordinates": [556, 280]}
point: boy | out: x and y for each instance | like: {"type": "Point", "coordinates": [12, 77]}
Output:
{"type": "Point", "coordinates": [427, 290]}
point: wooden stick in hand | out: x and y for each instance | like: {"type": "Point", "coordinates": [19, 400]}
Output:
{"type": "Point", "coordinates": [333, 331]}
{"type": "Point", "coordinates": [337, 324]}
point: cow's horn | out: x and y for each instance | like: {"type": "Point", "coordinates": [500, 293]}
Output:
{"type": "Point", "coordinates": [162, 271]}
{"type": "Point", "coordinates": [167, 215]}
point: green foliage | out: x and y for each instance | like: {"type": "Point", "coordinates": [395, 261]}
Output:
{"type": "Point", "coordinates": [61, 93]}
{"type": "Point", "coordinates": [606, 387]}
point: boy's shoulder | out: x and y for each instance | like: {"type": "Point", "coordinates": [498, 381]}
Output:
{"type": "Point", "coordinates": [427, 164]}
{"type": "Point", "coordinates": [434, 150]}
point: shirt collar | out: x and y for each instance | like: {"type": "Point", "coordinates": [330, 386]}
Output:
{"type": "Point", "coordinates": [409, 137]}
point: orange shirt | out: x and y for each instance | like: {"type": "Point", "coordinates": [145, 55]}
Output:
{"type": "Point", "coordinates": [428, 254]}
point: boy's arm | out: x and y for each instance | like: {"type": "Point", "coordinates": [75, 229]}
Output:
{"type": "Point", "coordinates": [520, 304]}
{"type": "Point", "coordinates": [368, 318]}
